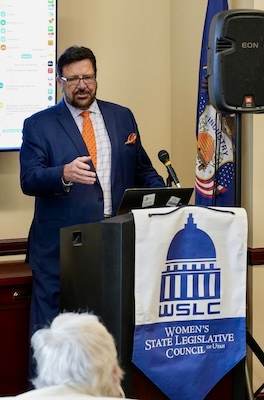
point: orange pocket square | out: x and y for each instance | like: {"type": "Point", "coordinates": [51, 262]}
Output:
{"type": "Point", "coordinates": [131, 138]}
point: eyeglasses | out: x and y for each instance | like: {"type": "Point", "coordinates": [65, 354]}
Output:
{"type": "Point", "coordinates": [75, 80]}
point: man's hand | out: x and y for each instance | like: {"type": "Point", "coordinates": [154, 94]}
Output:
{"type": "Point", "coordinates": [78, 171]}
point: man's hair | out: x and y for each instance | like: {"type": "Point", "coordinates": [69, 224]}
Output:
{"type": "Point", "coordinates": [73, 54]}
{"type": "Point", "coordinates": [77, 350]}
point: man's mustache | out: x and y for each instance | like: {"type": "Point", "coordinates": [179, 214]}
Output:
{"type": "Point", "coordinates": [82, 91]}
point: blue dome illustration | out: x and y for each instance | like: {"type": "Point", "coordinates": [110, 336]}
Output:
{"type": "Point", "coordinates": [191, 243]}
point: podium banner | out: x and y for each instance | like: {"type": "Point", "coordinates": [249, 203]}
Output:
{"type": "Point", "coordinates": [190, 296]}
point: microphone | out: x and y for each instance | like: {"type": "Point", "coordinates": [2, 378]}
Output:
{"type": "Point", "coordinates": [165, 159]}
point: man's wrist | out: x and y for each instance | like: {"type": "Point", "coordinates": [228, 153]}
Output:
{"type": "Point", "coordinates": [66, 185]}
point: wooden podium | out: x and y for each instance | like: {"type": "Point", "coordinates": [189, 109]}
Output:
{"type": "Point", "coordinates": [97, 274]}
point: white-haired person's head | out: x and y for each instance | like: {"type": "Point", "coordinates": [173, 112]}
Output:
{"type": "Point", "coordinates": [77, 350]}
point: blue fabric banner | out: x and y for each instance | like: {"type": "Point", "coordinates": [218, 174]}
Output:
{"type": "Point", "coordinates": [215, 134]}
{"type": "Point", "coordinates": [190, 297]}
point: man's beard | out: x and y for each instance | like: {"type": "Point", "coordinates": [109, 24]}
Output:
{"type": "Point", "coordinates": [82, 103]}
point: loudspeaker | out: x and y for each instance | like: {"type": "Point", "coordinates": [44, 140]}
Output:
{"type": "Point", "coordinates": [235, 61]}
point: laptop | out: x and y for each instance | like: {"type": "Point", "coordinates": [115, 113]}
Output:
{"type": "Point", "coordinates": [137, 198]}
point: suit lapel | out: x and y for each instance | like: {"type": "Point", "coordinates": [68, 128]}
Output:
{"type": "Point", "coordinates": [71, 129]}
{"type": "Point", "coordinates": [67, 122]}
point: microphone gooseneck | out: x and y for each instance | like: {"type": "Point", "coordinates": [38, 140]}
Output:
{"type": "Point", "coordinates": [165, 159]}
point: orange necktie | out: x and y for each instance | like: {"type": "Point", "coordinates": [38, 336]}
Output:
{"type": "Point", "coordinates": [88, 136]}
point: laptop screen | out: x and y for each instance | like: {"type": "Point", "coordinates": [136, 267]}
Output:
{"type": "Point", "coordinates": [137, 198]}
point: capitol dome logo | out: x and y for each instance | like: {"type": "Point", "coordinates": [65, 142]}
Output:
{"type": "Point", "coordinates": [191, 283]}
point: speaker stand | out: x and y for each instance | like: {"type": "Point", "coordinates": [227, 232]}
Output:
{"type": "Point", "coordinates": [252, 344]}
{"type": "Point", "coordinates": [248, 383]}
{"type": "Point", "coordinates": [256, 349]}
{"type": "Point", "coordinates": [237, 155]}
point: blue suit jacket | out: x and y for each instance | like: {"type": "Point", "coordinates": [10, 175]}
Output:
{"type": "Point", "coordinates": [52, 139]}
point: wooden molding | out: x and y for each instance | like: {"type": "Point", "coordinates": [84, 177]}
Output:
{"type": "Point", "coordinates": [256, 256]}
{"type": "Point", "coordinates": [11, 247]}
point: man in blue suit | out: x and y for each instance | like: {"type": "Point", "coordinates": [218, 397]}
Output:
{"type": "Point", "coordinates": [57, 169]}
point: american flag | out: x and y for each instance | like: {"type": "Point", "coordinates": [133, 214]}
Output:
{"type": "Point", "coordinates": [217, 184]}
{"type": "Point", "coordinates": [214, 183]}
